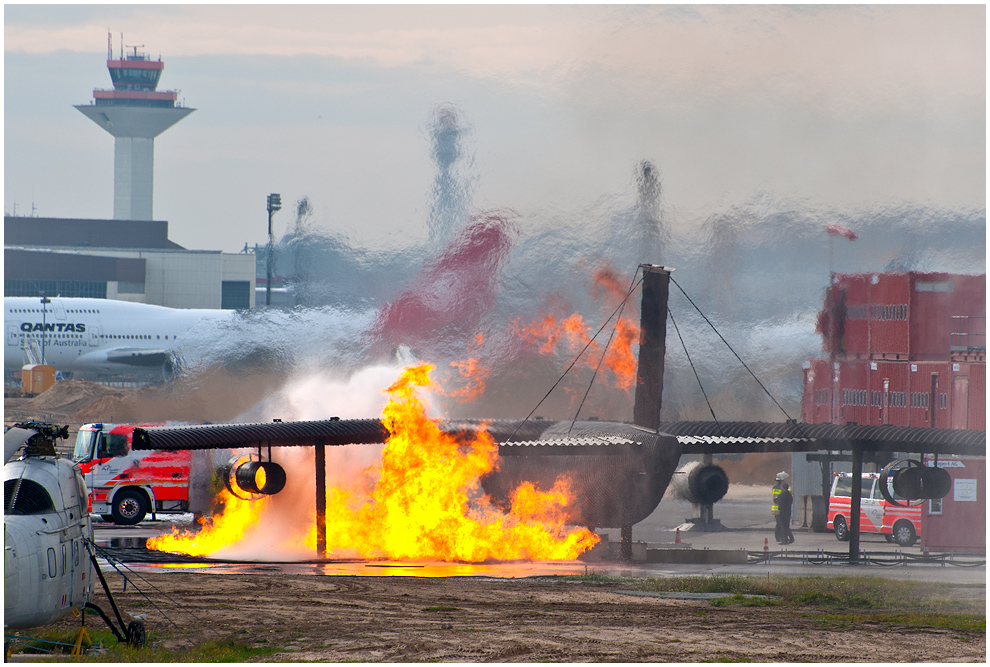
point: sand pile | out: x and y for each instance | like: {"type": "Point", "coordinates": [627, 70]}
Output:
{"type": "Point", "coordinates": [67, 397]}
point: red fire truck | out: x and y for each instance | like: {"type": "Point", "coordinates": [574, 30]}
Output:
{"type": "Point", "coordinates": [901, 524]}
{"type": "Point", "coordinates": [125, 485]}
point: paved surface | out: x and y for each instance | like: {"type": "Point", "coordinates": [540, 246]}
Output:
{"type": "Point", "coordinates": [744, 514]}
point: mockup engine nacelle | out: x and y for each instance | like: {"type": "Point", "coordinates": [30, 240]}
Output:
{"type": "Point", "coordinates": [914, 482]}
{"type": "Point", "coordinates": [249, 478]}
{"type": "Point", "coordinates": [700, 483]}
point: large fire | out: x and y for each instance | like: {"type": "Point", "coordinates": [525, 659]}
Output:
{"type": "Point", "coordinates": [425, 502]}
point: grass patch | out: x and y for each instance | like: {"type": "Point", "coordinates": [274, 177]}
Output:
{"type": "Point", "coordinates": [913, 620]}
{"type": "Point", "coordinates": [211, 651]}
{"type": "Point", "coordinates": [593, 578]}
{"type": "Point", "coordinates": [740, 600]}
{"type": "Point", "coordinates": [875, 599]}
{"type": "Point", "coordinates": [821, 591]}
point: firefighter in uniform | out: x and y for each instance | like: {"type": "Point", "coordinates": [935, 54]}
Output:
{"type": "Point", "coordinates": [775, 506]}
{"type": "Point", "coordinates": [784, 501]}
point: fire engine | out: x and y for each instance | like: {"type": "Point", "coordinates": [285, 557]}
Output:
{"type": "Point", "coordinates": [897, 523]}
{"type": "Point", "coordinates": [126, 485]}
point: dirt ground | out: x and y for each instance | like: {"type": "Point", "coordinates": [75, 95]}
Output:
{"type": "Point", "coordinates": [469, 619]}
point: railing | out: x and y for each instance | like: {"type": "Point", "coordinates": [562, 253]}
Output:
{"type": "Point", "coordinates": [968, 333]}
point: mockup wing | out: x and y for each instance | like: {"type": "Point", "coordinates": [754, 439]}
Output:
{"type": "Point", "coordinates": [738, 437]}
{"type": "Point", "coordinates": [268, 434]}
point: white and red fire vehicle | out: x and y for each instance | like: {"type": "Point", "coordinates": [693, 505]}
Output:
{"type": "Point", "coordinates": [898, 523]}
{"type": "Point", "coordinates": [125, 485]}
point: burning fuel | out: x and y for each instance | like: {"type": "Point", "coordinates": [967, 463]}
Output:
{"type": "Point", "coordinates": [422, 500]}
{"type": "Point", "coordinates": [237, 520]}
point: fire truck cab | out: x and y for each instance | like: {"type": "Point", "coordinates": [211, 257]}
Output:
{"type": "Point", "coordinates": [126, 485]}
{"type": "Point", "coordinates": [896, 523]}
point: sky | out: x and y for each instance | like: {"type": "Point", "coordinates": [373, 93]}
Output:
{"type": "Point", "coordinates": [836, 106]}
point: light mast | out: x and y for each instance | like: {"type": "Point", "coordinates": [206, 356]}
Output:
{"type": "Point", "coordinates": [134, 112]}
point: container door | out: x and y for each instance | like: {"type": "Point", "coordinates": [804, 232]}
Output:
{"type": "Point", "coordinates": [960, 401]}
{"type": "Point", "coordinates": [885, 402]}
{"type": "Point", "coordinates": [933, 402]}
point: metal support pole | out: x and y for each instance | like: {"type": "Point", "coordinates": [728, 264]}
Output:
{"type": "Point", "coordinates": [855, 503]}
{"type": "Point", "coordinates": [274, 204]}
{"type": "Point", "coordinates": [268, 261]}
{"type": "Point", "coordinates": [44, 324]}
{"type": "Point", "coordinates": [625, 543]}
{"type": "Point", "coordinates": [321, 501]}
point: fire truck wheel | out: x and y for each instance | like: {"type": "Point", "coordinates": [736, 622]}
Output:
{"type": "Point", "coordinates": [128, 508]}
{"type": "Point", "coordinates": [841, 530]}
{"type": "Point", "coordinates": [904, 534]}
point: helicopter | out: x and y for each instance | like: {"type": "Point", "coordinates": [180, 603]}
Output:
{"type": "Point", "coordinates": [50, 565]}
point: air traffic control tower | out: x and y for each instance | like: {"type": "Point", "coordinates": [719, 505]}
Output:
{"type": "Point", "coordinates": [134, 112]}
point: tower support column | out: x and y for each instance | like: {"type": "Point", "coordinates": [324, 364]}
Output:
{"type": "Point", "coordinates": [133, 178]}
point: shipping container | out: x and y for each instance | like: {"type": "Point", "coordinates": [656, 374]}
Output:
{"type": "Point", "coordinates": [929, 381]}
{"type": "Point", "coordinates": [816, 402]}
{"type": "Point", "coordinates": [957, 522]}
{"type": "Point", "coordinates": [897, 393]}
{"type": "Point", "coordinates": [851, 384]}
{"type": "Point", "coordinates": [889, 392]}
{"type": "Point", "coordinates": [888, 312]}
{"type": "Point", "coordinates": [844, 321]}
{"type": "Point", "coordinates": [905, 316]}
{"type": "Point", "coordinates": [967, 399]}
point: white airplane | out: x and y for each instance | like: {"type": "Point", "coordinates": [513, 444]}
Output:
{"type": "Point", "coordinates": [49, 561]}
{"type": "Point", "coordinates": [102, 335]}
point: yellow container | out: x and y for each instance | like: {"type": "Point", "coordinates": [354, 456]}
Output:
{"type": "Point", "coordinates": [36, 378]}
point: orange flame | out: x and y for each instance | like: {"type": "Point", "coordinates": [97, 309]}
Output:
{"type": "Point", "coordinates": [570, 335]}
{"type": "Point", "coordinates": [475, 374]}
{"type": "Point", "coordinates": [236, 520]}
{"type": "Point", "coordinates": [427, 501]}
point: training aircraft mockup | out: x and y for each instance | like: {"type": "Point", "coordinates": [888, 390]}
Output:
{"type": "Point", "coordinates": [101, 335]}
{"type": "Point", "coordinates": [49, 555]}
{"type": "Point", "coordinates": [619, 471]}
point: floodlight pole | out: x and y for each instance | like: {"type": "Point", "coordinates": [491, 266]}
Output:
{"type": "Point", "coordinates": [44, 323]}
{"type": "Point", "coordinates": [274, 204]}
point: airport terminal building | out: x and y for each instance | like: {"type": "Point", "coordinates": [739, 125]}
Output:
{"type": "Point", "coordinates": [126, 260]}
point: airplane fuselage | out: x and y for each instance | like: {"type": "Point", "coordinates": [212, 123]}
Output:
{"type": "Point", "coordinates": [77, 334]}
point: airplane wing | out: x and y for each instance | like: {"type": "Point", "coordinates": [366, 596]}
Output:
{"type": "Point", "coordinates": [694, 437]}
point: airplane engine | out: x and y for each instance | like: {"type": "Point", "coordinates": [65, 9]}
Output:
{"type": "Point", "coordinates": [246, 477]}
{"type": "Point", "coordinates": [701, 484]}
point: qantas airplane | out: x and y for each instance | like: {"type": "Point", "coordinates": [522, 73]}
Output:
{"type": "Point", "coordinates": [98, 335]}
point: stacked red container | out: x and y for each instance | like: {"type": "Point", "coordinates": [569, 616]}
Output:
{"type": "Point", "coordinates": [905, 348]}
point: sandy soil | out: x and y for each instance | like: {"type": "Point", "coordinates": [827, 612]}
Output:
{"type": "Point", "coordinates": [409, 619]}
